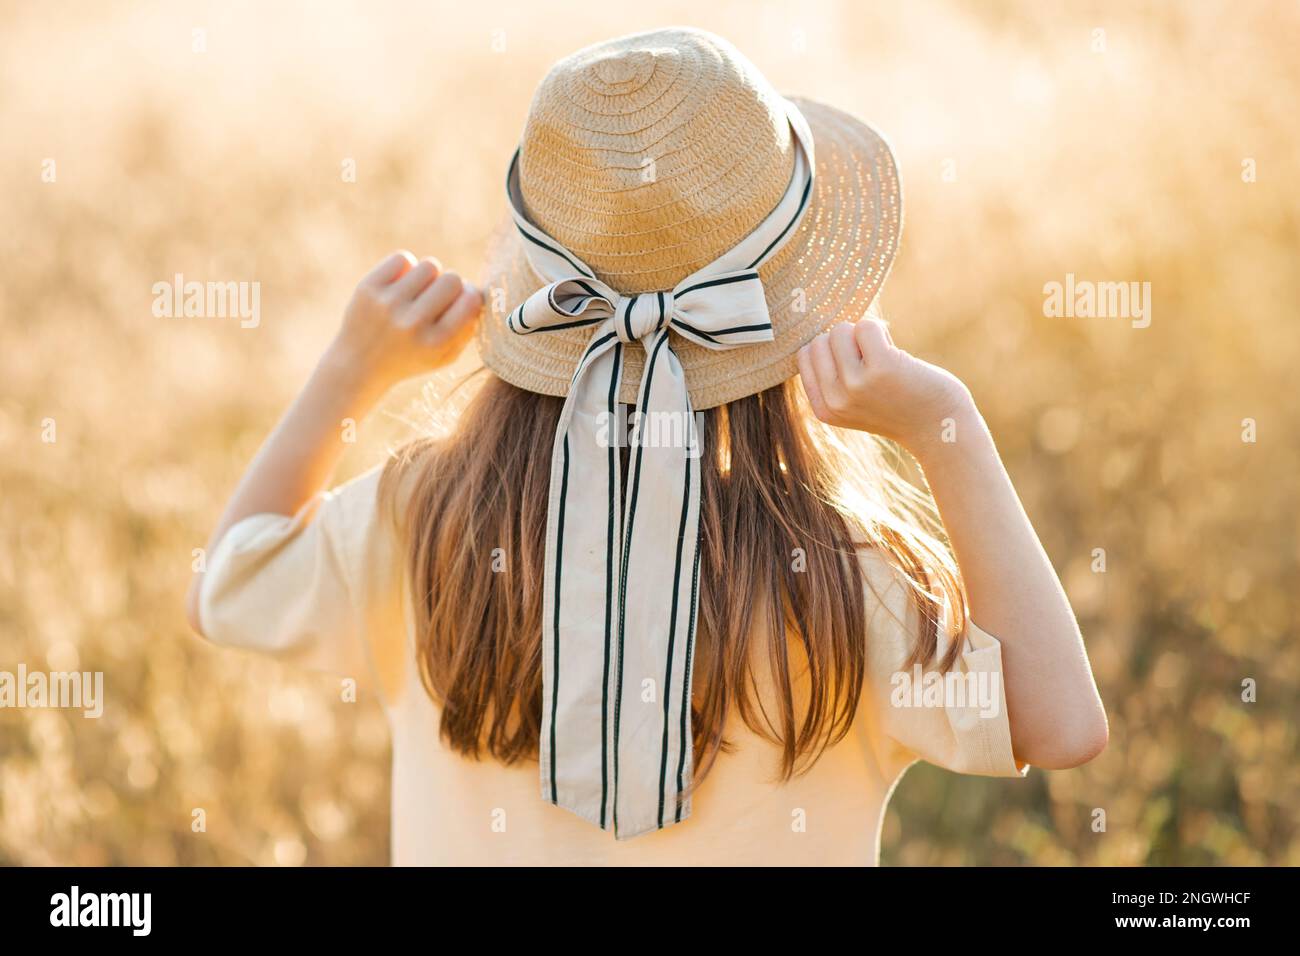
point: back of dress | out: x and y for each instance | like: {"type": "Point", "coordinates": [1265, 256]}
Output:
{"type": "Point", "coordinates": [327, 589]}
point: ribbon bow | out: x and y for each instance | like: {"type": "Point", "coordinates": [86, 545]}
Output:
{"type": "Point", "coordinates": [622, 560]}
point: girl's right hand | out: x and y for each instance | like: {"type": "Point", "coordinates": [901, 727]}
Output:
{"type": "Point", "coordinates": [856, 377]}
{"type": "Point", "coordinates": [407, 317]}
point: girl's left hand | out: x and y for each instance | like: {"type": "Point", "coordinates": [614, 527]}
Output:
{"type": "Point", "coordinates": [406, 318]}
{"type": "Point", "coordinates": [856, 377]}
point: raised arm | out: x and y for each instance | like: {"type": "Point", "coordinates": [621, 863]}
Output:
{"type": "Point", "coordinates": [855, 377]}
{"type": "Point", "coordinates": [406, 317]}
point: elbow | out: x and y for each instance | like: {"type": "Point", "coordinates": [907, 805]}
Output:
{"type": "Point", "coordinates": [1076, 742]}
{"type": "Point", "coordinates": [1085, 746]}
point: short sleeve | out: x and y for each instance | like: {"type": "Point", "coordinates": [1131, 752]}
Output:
{"type": "Point", "coordinates": [955, 719]}
{"type": "Point", "coordinates": [320, 589]}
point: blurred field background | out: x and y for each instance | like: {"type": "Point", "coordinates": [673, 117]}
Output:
{"type": "Point", "coordinates": [1027, 153]}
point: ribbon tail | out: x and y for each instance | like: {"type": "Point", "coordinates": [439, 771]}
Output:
{"type": "Point", "coordinates": [657, 603]}
{"type": "Point", "coordinates": [579, 615]}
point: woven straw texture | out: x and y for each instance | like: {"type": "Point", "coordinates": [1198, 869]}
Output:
{"type": "Point", "coordinates": [651, 155]}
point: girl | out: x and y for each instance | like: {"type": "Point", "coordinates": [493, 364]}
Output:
{"type": "Point", "coordinates": [647, 569]}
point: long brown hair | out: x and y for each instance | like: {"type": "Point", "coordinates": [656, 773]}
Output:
{"type": "Point", "coordinates": [787, 505]}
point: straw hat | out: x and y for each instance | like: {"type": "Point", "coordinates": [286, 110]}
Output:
{"type": "Point", "coordinates": [651, 155]}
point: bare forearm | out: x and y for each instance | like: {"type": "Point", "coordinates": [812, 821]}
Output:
{"type": "Point", "coordinates": [297, 459]}
{"type": "Point", "coordinates": [1056, 714]}
{"type": "Point", "coordinates": [302, 451]}
{"type": "Point", "coordinates": [405, 318]}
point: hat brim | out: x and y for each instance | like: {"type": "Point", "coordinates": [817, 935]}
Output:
{"type": "Point", "coordinates": [830, 270]}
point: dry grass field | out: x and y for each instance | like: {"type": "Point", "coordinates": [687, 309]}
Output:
{"type": "Point", "coordinates": [1111, 141]}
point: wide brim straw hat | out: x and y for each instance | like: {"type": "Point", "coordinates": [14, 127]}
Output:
{"type": "Point", "coordinates": [651, 155]}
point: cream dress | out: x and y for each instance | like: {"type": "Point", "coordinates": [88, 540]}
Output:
{"type": "Point", "coordinates": [326, 589]}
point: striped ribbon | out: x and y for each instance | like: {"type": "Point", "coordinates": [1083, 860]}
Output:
{"type": "Point", "coordinates": [622, 562]}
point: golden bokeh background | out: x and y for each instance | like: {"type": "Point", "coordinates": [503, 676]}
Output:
{"type": "Point", "coordinates": [1114, 141]}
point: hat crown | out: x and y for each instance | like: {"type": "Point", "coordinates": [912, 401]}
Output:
{"type": "Point", "coordinates": [651, 155]}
